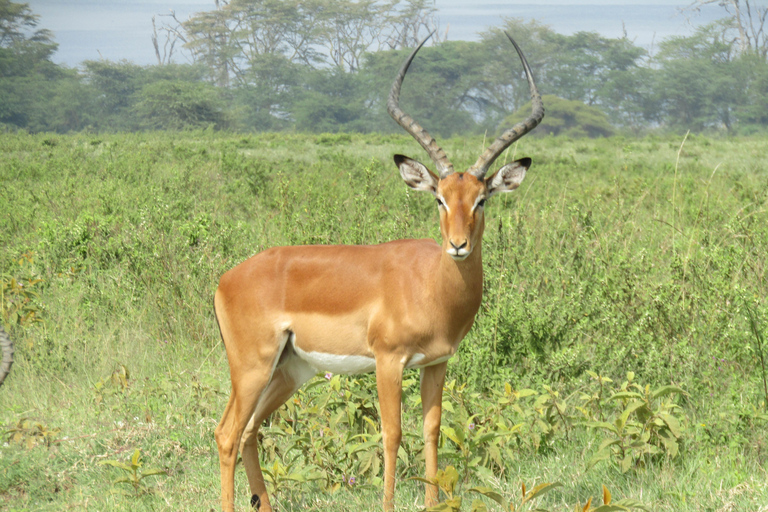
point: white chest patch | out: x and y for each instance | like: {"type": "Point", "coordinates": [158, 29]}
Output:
{"type": "Point", "coordinates": [335, 363]}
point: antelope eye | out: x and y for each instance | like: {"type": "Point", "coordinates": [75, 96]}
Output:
{"type": "Point", "coordinates": [481, 203]}
{"type": "Point", "coordinates": [439, 202]}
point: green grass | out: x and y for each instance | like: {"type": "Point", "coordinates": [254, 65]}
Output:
{"type": "Point", "coordinates": [613, 256]}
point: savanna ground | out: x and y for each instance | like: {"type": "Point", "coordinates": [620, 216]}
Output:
{"type": "Point", "coordinates": [620, 341]}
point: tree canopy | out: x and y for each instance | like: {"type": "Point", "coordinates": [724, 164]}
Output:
{"type": "Point", "coordinates": [326, 66]}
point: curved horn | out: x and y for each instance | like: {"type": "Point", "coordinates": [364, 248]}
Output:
{"type": "Point", "coordinates": [435, 152]}
{"type": "Point", "coordinates": [517, 131]}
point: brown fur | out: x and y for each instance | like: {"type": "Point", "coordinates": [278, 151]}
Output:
{"type": "Point", "coordinates": [388, 302]}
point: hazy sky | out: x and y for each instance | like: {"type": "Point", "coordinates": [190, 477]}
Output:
{"type": "Point", "coordinates": [121, 29]}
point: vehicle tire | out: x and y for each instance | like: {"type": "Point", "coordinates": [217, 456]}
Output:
{"type": "Point", "coordinates": [6, 350]}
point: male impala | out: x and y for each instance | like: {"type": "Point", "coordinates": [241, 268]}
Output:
{"type": "Point", "coordinates": [291, 312]}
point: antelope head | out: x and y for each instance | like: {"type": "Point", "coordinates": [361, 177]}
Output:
{"type": "Point", "coordinates": [461, 197]}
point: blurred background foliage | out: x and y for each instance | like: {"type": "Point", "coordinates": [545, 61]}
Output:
{"type": "Point", "coordinates": [326, 66]}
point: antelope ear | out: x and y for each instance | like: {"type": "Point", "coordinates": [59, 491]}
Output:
{"type": "Point", "coordinates": [416, 175]}
{"type": "Point", "coordinates": [509, 177]}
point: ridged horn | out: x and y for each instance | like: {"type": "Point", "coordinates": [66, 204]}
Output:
{"type": "Point", "coordinates": [517, 131]}
{"type": "Point", "coordinates": [435, 152]}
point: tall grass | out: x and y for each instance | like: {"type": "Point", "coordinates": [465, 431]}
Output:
{"type": "Point", "coordinates": [644, 255]}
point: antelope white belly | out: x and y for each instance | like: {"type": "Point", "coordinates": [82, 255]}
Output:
{"type": "Point", "coordinates": [416, 361]}
{"type": "Point", "coordinates": [335, 363]}
{"type": "Point", "coordinates": [349, 365]}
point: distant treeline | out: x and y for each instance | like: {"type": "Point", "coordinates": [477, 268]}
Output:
{"type": "Point", "coordinates": [326, 66]}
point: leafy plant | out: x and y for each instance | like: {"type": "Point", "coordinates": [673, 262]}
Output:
{"type": "Point", "coordinates": [645, 426]}
{"type": "Point", "coordinates": [115, 384]}
{"type": "Point", "coordinates": [205, 393]}
{"type": "Point", "coordinates": [133, 474]}
{"type": "Point", "coordinates": [611, 506]}
{"type": "Point", "coordinates": [447, 481]}
{"type": "Point", "coordinates": [29, 433]}
{"type": "Point", "coordinates": [19, 299]}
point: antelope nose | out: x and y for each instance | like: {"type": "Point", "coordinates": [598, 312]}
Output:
{"type": "Point", "coordinates": [458, 247]}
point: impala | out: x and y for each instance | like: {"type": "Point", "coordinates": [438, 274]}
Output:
{"type": "Point", "coordinates": [291, 312]}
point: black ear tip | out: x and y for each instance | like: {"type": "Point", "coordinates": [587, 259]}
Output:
{"type": "Point", "coordinates": [525, 162]}
{"type": "Point", "coordinates": [399, 159]}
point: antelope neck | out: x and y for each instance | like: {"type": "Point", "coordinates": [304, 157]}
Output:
{"type": "Point", "coordinates": [462, 280]}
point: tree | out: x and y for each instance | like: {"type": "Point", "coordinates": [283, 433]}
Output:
{"type": "Point", "coordinates": [26, 69]}
{"type": "Point", "coordinates": [441, 89]}
{"type": "Point", "coordinates": [333, 101]}
{"type": "Point", "coordinates": [583, 67]}
{"type": "Point", "coordinates": [316, 33]}
{"type": "Point", "coordinates": [269, 89]}
{"type": "Point", "coordinates": [565, 117]}
{"type": "Point", "coordinates": [747, 19]}
{"type": "Point", "coordinates": [179, 105]}
{"type": "Point", "coordinates": [586, 62]}
{"type": "Point", "coordinates": [696, 85]}
{"type": "Point", "coordinates": [752, 113]}
{"type": "Point", "coordinates": [350, 29]}
{"type": "Point", "coordinates": [501, 81]}
{"type": "Point", "coordinates": [410, 23]}
{"type": "Point", "coordinates": [628, 98]}
{"type": "Point", "coordinates": [113, 86]}
{"type": "Point", "coordinates": [16, 22]}
{"type": "Point", "coordinates": [208, 37]}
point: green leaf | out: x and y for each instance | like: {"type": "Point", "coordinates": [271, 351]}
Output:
{"type": "Point", "coordinates": [672, 423]}
{"type": "Point", "coordinates": [478, 506]}
{"type": "Point", "coordinates": [135, 458]}
{"type": "Point", "coordinates": [314, 383]}
{"type": "Point", "coordinates": [540, 490]}
{"type": "Point", "coordinates": [480, 440]}
{"type": "Point", "coordinates": [632, 407]}
{"type": "Point", "coordinates": [626, 463]}
{"type": "Point", "coordinates": [450, 505]}
{"type": "Point", "coordinates": [504, 430]}
{"type": "Point", "coordinates": [153, 471]}
{"type": "Point", "coordinates": [450, 433]}
{"type": "Point", "coordinates": [363, 447]}
{"type": "Point", "coordinates": [488, 493]}
{"type": "Point", "coordinates": [603, 424]}
{"type": "Point", "coordinates": [402, 454]}
{"type": "Point", "coordinates": [666, 390]}
{"type": "Point", "coordinates": [599, 456]}
{"type": "Point", "coordinates": [625, 395]}
{"type": "Point", "coordinates": [631, 504]}
{"type": "Point", "coordinates": [608, 442]}
{"type": "Point", "coordinates": [117, 464]}
{"type": "Point", "coordinates": [670, 443]}
{"type": "Point", "coordinates": [447, 479]}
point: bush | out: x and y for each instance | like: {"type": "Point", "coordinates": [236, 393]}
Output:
{"type": "Point", "coordinates": [565, 117]}
{"type": "Point", "coordinates": [177, 105]}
